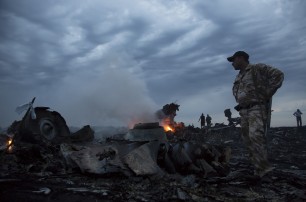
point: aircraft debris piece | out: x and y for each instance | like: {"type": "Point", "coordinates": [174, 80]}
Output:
{"type": "Point", "coordinates": [47, 126]}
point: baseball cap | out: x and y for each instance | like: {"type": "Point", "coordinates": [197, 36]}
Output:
{"type": "Point", "coordinates": [237, 54]}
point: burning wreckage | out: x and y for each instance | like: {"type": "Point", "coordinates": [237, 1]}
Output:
{"type": "Point", "coordinates": [143, 150]}
{"type": "Point", "coordinates": [41, 159]}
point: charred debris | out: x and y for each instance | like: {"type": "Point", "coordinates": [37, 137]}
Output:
{"type": "Point", "coordinates": [42, 138]}
{"type": "Point", "coordinates": [159, 161]}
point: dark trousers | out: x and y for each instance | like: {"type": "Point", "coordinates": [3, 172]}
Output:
{"type": "Point", "coordinates": [299, 121]}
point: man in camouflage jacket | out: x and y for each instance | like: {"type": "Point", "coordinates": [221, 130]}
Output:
{"type": "Point", "coordinates": [253, 89]}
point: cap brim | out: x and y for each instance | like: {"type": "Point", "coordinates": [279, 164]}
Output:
{"type": "Point", "coordinates": [230, 59]}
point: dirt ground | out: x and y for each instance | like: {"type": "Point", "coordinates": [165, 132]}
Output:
{"type": "Point", "coordinates": [287, 182]}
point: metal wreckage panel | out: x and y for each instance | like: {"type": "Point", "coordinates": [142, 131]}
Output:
{"type": "Point", "coordinates": [146, 152]}
{"type": "Point", "coordinates": [129, 158]}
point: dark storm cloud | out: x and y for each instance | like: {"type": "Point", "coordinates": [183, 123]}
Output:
{"type": "Point", "coordinates": [98, 62]}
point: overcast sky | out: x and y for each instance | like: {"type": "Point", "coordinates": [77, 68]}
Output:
{"type": "Point", "coordinates": [116, 62]}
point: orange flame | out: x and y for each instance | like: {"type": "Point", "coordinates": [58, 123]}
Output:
{"type": "Point", "coordinates": [168, 128]}
{"type": "Point", "coordinates": [9, 145]}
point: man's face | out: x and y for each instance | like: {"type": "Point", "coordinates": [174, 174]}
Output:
{"type": "Point", "coordinates": [237, 62]}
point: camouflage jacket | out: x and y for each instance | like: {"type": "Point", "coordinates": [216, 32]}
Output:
{"type": "Point", "coordinates": [257, 83]}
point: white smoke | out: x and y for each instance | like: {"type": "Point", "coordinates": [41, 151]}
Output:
{"type": "Point", "coordinates": [112, 97]}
